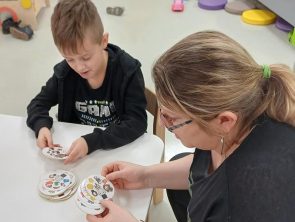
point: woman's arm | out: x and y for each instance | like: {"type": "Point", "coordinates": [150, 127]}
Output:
{"type": "Point", "coordinates": [170, 175]}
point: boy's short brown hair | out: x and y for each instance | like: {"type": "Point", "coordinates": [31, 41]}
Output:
{"type": "Point", "coordinates": [70, 22]}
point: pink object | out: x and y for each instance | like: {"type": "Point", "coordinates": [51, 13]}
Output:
{"type": "Point", "coordinates": [177, 6]}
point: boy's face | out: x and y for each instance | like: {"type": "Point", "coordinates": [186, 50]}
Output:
{"type": "Point", "coordinates": [90, 60]}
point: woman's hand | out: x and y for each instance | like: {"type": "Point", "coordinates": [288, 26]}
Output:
{"type": "Point", "coordinates": [125, 175]}
{"type": "Point", "coordinates": [113, 213]}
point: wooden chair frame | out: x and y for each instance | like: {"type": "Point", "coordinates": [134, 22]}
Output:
{"type": "Point", "coordinates": [158, 130]}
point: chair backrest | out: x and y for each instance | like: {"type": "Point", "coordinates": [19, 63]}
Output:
{"type": "Point", "coordinates": [152, 108]}
{"type": "Point", "coordinates": [158, 130]}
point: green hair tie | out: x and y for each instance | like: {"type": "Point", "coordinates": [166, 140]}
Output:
{"type": "Point", "coordinates": [266, 71]}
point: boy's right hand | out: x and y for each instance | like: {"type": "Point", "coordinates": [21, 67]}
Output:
{"type": "Point", "coordinates": [45, 138]}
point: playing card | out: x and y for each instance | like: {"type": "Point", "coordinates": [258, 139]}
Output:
{"type": "Point", "coordinates": [64, 196]}
{"type": "Point", "coordinates": [86, 209]}
{"type": "Point", "coordinates": [57, 153]}
{"type": "Point", "coordinates": [91, 191]}
{"type": "Point", "coordinates": [89, 203]}
{"type": "Point", "coordinates": [97, 188]}
{"type": "Point", "coordinates": [85, 200]}
{"type": "Point", "coordinates": [56, 182]}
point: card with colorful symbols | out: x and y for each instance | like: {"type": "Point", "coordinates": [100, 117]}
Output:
{"type": "Point", "coordinates": [57, 153]}
{"type": "Point", "coordinates": [91, 191]}
{"type": "Point", "coordinates": [57, 185]}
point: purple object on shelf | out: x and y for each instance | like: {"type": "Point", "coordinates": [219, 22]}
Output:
{"type": "Point", "coordinates": [283, 25]}
{"type": "Point", "coordinates": [212, 4]}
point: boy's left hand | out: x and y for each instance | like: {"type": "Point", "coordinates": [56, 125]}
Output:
{"type": "Point", "coordinates": [78, 150]}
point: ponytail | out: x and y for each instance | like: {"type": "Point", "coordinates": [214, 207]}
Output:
{"type": "Point", "coordinates": [280, 94]}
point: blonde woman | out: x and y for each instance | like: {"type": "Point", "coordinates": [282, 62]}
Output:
{"type": "Point", "coordinates": [238, 117]}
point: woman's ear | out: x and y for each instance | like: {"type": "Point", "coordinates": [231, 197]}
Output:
{"type": "Point", "coordinates": [105, 40]}
{"type": "Point", "coordinates": [226, 121]}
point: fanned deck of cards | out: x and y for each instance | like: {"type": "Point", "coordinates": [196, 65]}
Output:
{"type": "Point", "coordinates": [57, 153]}
{"type": "Point", "coordinates": [91, 191]}
{"type": "Point", "coordinates": [58, 185]}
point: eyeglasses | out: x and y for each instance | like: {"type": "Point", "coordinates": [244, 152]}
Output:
{"type": "Point", "coordinates": [168, 123]}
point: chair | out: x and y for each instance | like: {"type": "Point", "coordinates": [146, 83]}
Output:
{"type": "Point", "coordinates": [158, 130]}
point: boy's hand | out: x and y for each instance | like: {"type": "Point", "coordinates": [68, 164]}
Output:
{"type": "Point", "coordinates": [78, 150]}
{"type": "Point", "coordinates": [114, 214]}
{"type": "Point", "coordinates": [44, 138]}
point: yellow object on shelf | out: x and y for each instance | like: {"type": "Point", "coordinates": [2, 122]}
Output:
{"type": "Point", "coordinates": [26, 4]}
{"type": "Point", "coordinates": [258, 17]}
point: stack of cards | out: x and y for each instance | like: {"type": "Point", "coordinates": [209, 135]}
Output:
{"type": "Point", "coordinates": [91, 191]}
{"type": "Point", "coordinates": [57, 153]}
{"type": "Point", "coordinates": [58, 185]}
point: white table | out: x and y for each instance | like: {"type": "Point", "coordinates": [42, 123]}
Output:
{"type": "Point", "coordinates": [22, 164]}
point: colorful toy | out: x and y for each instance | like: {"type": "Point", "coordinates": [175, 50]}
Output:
{"type": "Point", "coordinates": [283, 25]}
{"type": "Point", "coordinates": [26, 4]}
{"type": "Point", "coordinates": [6, 12]}
{"type": "Point", "coordinates": [291, 36]}
{"type": "Point", "coordinates": [238, 7]}
{"type": "Point", "coordinates": [177, 6]}
{"type": "Point", "coordinates": [24, 10]}
{"type": "Point", "coordinates": [118, 11]}
{"type": "Point", "coordinates": [258, 17]}
{"type": "Point", "coordinates": [9, 26]}
{"type": "Point", "coordinates": [212, 4]}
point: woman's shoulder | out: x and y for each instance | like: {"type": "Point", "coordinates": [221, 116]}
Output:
{"type": "Point", "coordinates": [261, 173]}
{"type": "Point", "coordinates": [269, 131]}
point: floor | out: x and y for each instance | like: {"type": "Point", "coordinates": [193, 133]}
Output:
{"type": "Point", "coordinates": [146, 29]}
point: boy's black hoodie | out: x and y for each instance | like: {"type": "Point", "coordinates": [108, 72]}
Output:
{"type": "Point", "coordinates": [126, 85]}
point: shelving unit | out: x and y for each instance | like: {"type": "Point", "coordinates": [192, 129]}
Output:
{"type": "Point", "coordinates": [285, 9]}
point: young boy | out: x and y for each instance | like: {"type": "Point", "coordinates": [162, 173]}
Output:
{"type": "Point", "coordinates": [97, 84]}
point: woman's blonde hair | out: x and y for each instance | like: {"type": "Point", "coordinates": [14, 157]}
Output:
{"type": "Point", "coordinates": [207, 73]}
{"type": "Point", "coordinates": [72, 20]}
